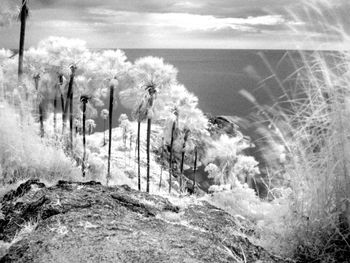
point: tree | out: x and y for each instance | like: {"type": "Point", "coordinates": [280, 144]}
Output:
{"type": "Point", "coordinates": [245, 169]}
{"type": "Point", "coordinates": [84, 100]}
{"type": "Point", "coordinates": [24, 11]}
{"type": "Point", "coordinates": [173, 129]}
{"type": "Point", "coordinates": [156, 77]}
{"type": "Point", "coordinates": [111, 69]}
{"type": "Point", "coordinates": [90, 126]}
{"type": "Point", "coordinates": [41, 117]}
{"type": "Point", "coordinates": [225, 153]}
{"type": "Point", "coordinates": [104, 116]}
{"type": "Point", "coordinates": [184, 119]}
{"type": "Point", "coordinates": [34, 65]}
{"type": "Point", "coordinates": [124, 123]}
{"type": "Point", "coordinates": [66, 58]}
{"type": "Point", "coordinates": [4, 57]}
{"type": "Point", "coordinates": [152, 78]}
{"type": "Point", "coordinates": [132, 99]}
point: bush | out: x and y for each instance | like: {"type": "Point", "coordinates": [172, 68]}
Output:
{"type": "Point", "coordinates": [23, 154]}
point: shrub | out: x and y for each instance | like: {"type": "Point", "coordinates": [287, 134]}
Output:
{"type": "Point", "coordinates": [23, 154]}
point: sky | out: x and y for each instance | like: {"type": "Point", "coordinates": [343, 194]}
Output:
{"type": "Point", "coordinates": [218, 24]}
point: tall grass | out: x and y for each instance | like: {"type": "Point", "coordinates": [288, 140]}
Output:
{"type": "Point", "coordinates": [23, 154]}
{"type": "Point", "coordinates": [312, 123]}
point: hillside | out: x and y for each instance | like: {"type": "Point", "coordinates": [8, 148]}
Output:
{"type": "Point", "coordinates": [88, 222]}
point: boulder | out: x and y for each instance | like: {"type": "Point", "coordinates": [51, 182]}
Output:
{"type": "Point", "coordinates": [89, 222]}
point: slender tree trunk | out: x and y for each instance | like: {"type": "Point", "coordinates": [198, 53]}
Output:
{"type": "Point", "coordinates": [130, 147]}
{"type": "Point", "coordinates": [62, 108]}
{"type": "Point", "coordinates": [69, 96]}
{"type": "Point", "coordinates": [183, 158]}
{"type": "Point", "coordinates": [161, 165]}
{"type": "Point", "coordinates": [71, 121]}
{"type": "Point", "coordinates": [104, 132]}
{"type": "Point", "coordinates": [111, 97]}
{"type": "Point", "coordinates": [138, 155]}
{"type": "Point", "coordinates": [171, 155]}
{"type": "Point", "coordinates": [23, 17]}
{"type": "Point", "coordinates": [149, 123]}
{"type": "Point", "coordinates": [84, 140]}
{"type": "Point", "coordinates": [55, 111]}
{"type": "Point", "coordinates": [41, 117]}
{"type": "Point", "coordinates": [195, 168]}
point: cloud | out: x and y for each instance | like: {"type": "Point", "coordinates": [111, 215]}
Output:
{"type": "Point", "coordinates": [186, 21]}
{"type": "Point", "coordinates": [174, 23]}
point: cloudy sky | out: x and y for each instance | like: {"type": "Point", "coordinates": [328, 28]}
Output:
{"type": "Point", "coordinates": [257, 24]}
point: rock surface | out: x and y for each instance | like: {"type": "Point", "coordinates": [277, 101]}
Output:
{"type": "Point", "coordinates": [88, 222]}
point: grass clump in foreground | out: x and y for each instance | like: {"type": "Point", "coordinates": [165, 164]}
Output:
{"type": "Point", "coordinates": [309, 220]}
{"type": "Point", "coordinates": [312, 124]}
{"type": "Point", "coordinates": [24, 155]}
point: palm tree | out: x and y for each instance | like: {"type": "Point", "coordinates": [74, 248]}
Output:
{"type": "Point", "coordinates": [69, 105]}
{"type": "Point", "coordinates": [124, 123]}
{"type": "Point", "coordinates": [183, 151]}
{"type": "Point", "coordinates": [24, 11]}
{"type": "Point", "coordinates": [151, 89]}
{"type": "Point", "coordinates": [161, 167]}
{"type": "Point", "coordinates": [176, 114]}
{"type": "Point", "coordinates": [113, 84]}
{"type": "Point", "coordinates": [57, 92]}
{"type": "Point", "coordinates": [90, 125]}
{"type": "Point", "coordinates": [140, 116]}
{"type": "Point", "coordinates": [194, 168]}
{"type": "Point", "coordinates": [104, 116]}
{"type": "Point", "coordinates": [84, 100]}
{"type": "Point", "coordinates": [41, 114]}
{"type": "Point", "coordinates": [152, 76]}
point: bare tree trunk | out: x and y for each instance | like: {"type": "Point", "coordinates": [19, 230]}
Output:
{"type": "Point", "coordinates": [23, 17]}
{"type": "Point", "coordinates": [183, 158]}
{"type": "Point", "coordinates": [138, 155]}
{"type": "Point", "coordinates": [55, 112]}
{"type": "Point", "coordinates": [195, 168]}
{"type": "Point", "coordinates": [84, 140]}
{"type": "Point", "coordinates": [104, 132]}
{"type": "Point", "coordinates": [62, 108]}
{"type": "Point", "coordinates": [171, 155]}
{"type": "Point", "coordinates": [161, 165]}
{"type": "Point", "coordinates": [149, 123]}
{"type": "Point", "coordinates": [69, 96]}
{"type": "Point", "coordinates": [111, 97]}
{"type": "Point", "coordinates": [41, 117]}
{"type": "Point", "coordinates": [71, 122]}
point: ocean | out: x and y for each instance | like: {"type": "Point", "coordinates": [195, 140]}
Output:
{"type": "Point", "coordinates": [217, 76]}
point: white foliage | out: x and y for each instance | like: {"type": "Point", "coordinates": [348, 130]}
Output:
{"type": "Point", "coordinates": [104, 114]}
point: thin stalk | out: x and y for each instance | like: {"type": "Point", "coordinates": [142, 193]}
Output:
{"type": "Point", "coordinates": [104, 132]}
{"type": "Point", "coordinates": [71, 122]}
{"type": "Point", "coordinates": [195, 168]}
{"type": "Point", "coordinates": [54, 112]}
{"type": "Point", "coordinates": [23, 18]}
{"type": "Point", "coordinates": [171, 155]}
{"type": "Point", "coordinates": [138, 155]}
{"type": "Point", "coordinates": [149, 123]}
{"type": "Point", "coordinates": [161, 165]}
{"type": "Point", "coordinates": [84, 140]}
{"type": "Point", "coordinates": [183, 157]}
{"type": "Point", "coordinates": [69, 96]}
{"type": "Point", "coordinates": [111, 97]}
{"type": "Point", "coordinates": [41, 118]}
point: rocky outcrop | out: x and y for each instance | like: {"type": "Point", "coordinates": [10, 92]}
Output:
{"type": "Point", "coordinates": [88, 222]}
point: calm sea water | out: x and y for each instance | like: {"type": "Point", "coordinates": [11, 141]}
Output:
{"type": "Point", "coordinates": [216, 76]}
